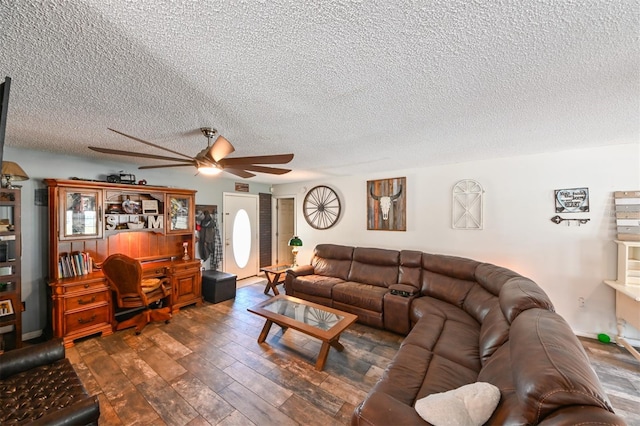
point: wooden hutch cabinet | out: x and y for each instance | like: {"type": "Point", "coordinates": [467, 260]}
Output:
{"type": "Point", "coordinates": [89, 221]}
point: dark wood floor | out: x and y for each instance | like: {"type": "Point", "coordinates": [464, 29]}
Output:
{"type": "Point", "coordinates": [206, 368]}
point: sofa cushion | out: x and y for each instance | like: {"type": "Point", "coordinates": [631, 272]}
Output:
{"type": "Point", "coordinates": [493, 277]}
{"type": "Point", "coordinates": [365, 296]}
{"type": "Point", "coordinates": [314, 285]}
{"type": "Point", "coordinates": [478, 302]}
{"type": "Point", "coordinates": [375, 266]}
{"type": "Point", "coordinates": [468, 405]}
{"type": "Point", "coordinates": [497, 371]}
{"type": "Point", "coordinates": [410, 270]}
{"type": "Point", "coordinates": [332, 260]}
{"type": "Point", "coordinates": [404, 375]}
{"type": "Point", "coordinates": [447, 331]}
{"type": "Point", "coordinates": [451, 266]}
{"type": "Point", "coordinates": [519, 294]}
{"type": "Point", "coordinates": [450, 289]}
{"type": "Point", "coordinates": [550, 367]}
{"type": "Point", "coordinates": [494, 332]}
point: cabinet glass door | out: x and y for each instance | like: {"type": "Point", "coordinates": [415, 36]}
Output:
{"type": "Point", "coordinates": [81, 213]}
{"type": "Point", "coordinates": [180, 214]}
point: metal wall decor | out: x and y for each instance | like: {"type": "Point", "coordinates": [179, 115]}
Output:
{"type": "Point", "coordinates": [321, 207]}
{"type": "Point", "coordinates": [466, 205]}
{"type": "Point", "coordinates": [573, 200]}
{"type": "Point", "coordinates": [557, 220]}
{"type": "Point", "coordinates": [387, 204]}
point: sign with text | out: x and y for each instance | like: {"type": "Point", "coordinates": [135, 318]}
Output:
{"type": "Point", "coordinates": [574, 200]}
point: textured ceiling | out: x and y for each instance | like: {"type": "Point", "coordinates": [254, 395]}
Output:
{"type": "Point", "coordinates": [347, 86]}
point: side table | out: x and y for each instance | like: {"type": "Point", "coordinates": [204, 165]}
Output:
{"type": "Point", "coordinates": [275, 275]}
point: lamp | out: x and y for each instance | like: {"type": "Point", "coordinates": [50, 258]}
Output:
{"type": "Point", "coordinates": [12, 171]}
{"type": "Point", "coordinates": [209, 170]}
{"type": "Point", "coordinates": [295, 242]}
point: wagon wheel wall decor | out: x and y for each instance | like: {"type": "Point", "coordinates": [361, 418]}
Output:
{"type": "Point", "coordinates": [321, 207]}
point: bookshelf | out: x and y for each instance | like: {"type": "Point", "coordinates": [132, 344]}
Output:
{"type": "Point", "coordinates": [10, 270]}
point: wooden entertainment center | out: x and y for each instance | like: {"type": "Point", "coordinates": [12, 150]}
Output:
{"type": "Point", "coordinates": [88, 221]}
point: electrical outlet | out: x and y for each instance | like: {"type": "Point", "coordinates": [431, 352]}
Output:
{"type": "Point", "coordinates": [581, 302]}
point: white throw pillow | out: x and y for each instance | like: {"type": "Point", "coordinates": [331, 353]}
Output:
{"type": "Point", "coordinates": [469, 405]}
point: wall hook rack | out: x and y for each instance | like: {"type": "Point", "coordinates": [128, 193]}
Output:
{"type": "Point", "coordinates": [557, 219]}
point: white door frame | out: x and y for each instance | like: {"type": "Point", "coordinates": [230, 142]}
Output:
{"type": "Point", "coordinates": [254, 247]}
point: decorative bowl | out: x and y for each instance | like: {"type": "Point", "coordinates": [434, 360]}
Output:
{"type": "Point", "coordinates": [132, 225]}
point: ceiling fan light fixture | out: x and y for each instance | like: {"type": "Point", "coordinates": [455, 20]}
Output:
{"type": "Point", "coordinates": [209, 170]}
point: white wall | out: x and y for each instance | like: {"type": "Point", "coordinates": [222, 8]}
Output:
{"type": "Point", "coordinates": [568, 262]}
{"type": "Point", "coordinates": [40, 165]}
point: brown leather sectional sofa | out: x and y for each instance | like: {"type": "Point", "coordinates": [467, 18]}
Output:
{"type": "Point", "coordinates": [465, 322]}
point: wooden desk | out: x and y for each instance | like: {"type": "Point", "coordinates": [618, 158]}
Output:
{"type": "Point", "coordinates": [627, 311]}
{"type": "Point", "coordinates": [82, 305]}
{"type": "Point", "coordinates": [275, 275]}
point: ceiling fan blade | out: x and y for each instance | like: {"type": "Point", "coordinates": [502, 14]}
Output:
{"type": "Point", "coordinates": [160, 166]}
{"type": "Point", "coordinates": [259, 159]}
{"type": "Point", "coordinates": [150, 144]}
{"type": "Point", "coordinates": [220, 149]}
{"type": "Point", "coordinates": [265, 169]}
{"type": "Point", "coordinates": [137, 154]}
{"type": "Point", "coordinates": [241, 173]}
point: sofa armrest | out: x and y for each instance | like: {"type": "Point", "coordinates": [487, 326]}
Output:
{"type": "Point", "coordinates": [300, 270]}
{"type": "Point", "coordinates": [584, 414]}
{"type": "Point", "coordinates": [404, 290]}
{"type": "Point", "coordinates": [26, 358]}
{"type": "Point", "coordinates": [82, 412]}
{"type": "Point", "coordinates": [292, 273]}
{"type": "Point", "coordinates": [396, 312]}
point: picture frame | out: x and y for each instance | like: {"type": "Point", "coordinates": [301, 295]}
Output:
{"type": "Point", "coordinates": [6, 307]}
{"type": "Point", "coordinates": [387, 204]}
{"type": "Point", "coordinates": [150, 206]}
{"type": "Point", "coordinates": [572, 200]}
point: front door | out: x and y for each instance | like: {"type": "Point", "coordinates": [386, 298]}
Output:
{"type": "Point", "coordinates": [240, 234]}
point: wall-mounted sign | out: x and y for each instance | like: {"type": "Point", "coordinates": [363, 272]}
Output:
{"type": "Point", "coordinates": [574, 200]}
{"type": "Point", "coordinates": [242, 187]}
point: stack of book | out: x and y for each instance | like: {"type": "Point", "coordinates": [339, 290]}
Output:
{"type": "Point", "coordinates": [74, 264]}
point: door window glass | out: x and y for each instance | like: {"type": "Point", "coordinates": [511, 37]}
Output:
{"type": "Point", "coordinates": [241, 238]}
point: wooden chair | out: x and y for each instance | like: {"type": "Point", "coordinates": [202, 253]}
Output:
{"type": "Point", "coordinates": [131, 291]}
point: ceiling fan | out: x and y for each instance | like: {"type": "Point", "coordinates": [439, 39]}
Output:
{"type": "Point", "coordinates": [211, 160]}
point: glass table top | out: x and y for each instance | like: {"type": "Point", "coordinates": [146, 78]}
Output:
{"type": "Point", "coordinates": [275, 268]}
{"type": "Point", "coordinates": [315, 317]}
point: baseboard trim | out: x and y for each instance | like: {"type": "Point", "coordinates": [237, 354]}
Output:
{"type": "Point", "coordinates": [633, 342]}
{"type": "Point", "coordinates": [31, 335]}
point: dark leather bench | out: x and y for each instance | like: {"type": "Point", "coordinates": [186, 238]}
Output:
{"type": "Point", "coordinates": [38, 385]}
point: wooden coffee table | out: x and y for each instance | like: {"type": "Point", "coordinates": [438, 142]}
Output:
{"type": "Point", "coordinates": [314, 320]}
{"type": "Point", "coordinates": [275, 275]}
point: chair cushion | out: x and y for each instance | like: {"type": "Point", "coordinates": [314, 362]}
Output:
{"type": "Point", "coordinates": [150, 284]}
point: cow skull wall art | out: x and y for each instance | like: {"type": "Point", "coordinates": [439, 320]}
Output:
{"type": "Point", "coordinates": [386, 204]}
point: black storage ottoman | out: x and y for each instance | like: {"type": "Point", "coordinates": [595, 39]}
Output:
{"type": "Point", "coordinates": [218, 286]}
